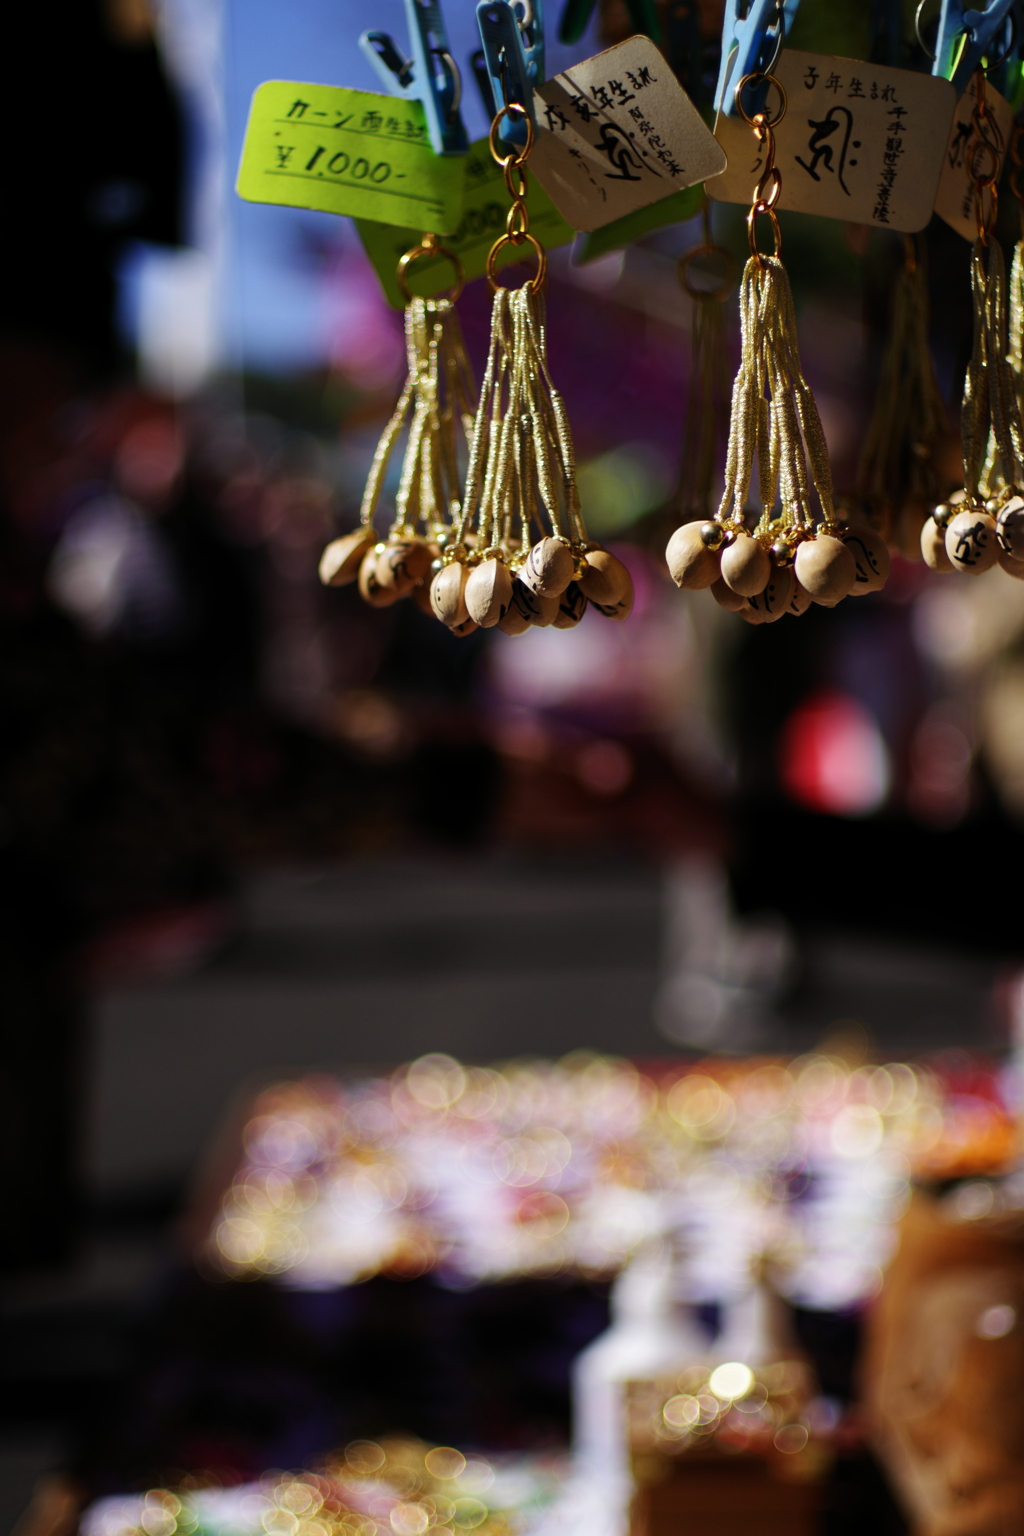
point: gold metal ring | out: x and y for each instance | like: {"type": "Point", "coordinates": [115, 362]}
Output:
{"type": "Point", "coordinates": [536, 282]}
{"type": "Point", "coordinates": [515, 179]}
{"type": "Point", "coordinates": [430, 247]}
{"type": "Point", "coordinates": [727, 284]}
{"type": "Point", "coordinates": [772, 122]}
{"type": "Point", "coordinates": [513, 109]}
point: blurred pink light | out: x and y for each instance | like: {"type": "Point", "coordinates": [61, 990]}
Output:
{"type": "Point", "coordinates": [832, 757]}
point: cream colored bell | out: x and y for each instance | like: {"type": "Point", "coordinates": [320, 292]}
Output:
{"type": "Point", "coordinates": [690, 563]}
{"type": "Point", "coordinates": [933, 547]}
{"type": "Point", "coordinates": [572, 605]}
{"type": "Point", "coordinates": [340, 561]}
{"type": "Point", "coordinates": [773, 602]}
{"type": "Point", "coordinates": [800, 600]}
{"type": "Point", "coordinates": [1010, 529]}
{"type": "Point", "coordinates": [448, 594]}
{"type": "Point", "coordinates": [746, 566]}
{"type": "Point", "coordinates": [531, 608]}
{"type": "Point", "coordinates": [467, 627]}
{"type": "Point", "coordinates": [516, 620]}
{"type": "Point", "coordinates": [548, 568]}
{"type": "Point", "coordinates": [971, 541]}
{"type": "Point", "coordinates": [726, 598]}
{"type": "Point", "coordinates": [607, 584]}
{"type": "Point", "coordinates": [402, 563]}
{"type": "Point", "coordinates": [825, 568]}
{"type": "Point", "coordinates": [869, 551]}
{"type": "Point", "coordinates": [1011, 566]}
{"type": "Point", "coordinates": [489, 592]}
{"type": "Point", "coordinates": [370, 588]}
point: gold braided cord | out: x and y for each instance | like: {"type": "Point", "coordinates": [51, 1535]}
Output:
{"type": "Point", "coordinates": [1015, 349]}
{"type": "Point", "coordinates": [437, 401]}
{"type": "Point", "coordinates": [773, 413]}
{"type": "Point", "coordinates": [909, 420]}
{"type": "Point", "coordinates": [993, 441]}
{"type": "Point", "coordinates": [522, 464]}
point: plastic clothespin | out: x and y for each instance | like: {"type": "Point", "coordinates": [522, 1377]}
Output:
{"type": "Point", "coordinates": [430, 76]}
{"type": "Point", "coordinates": [512, 37]}
{"type": "Point", "coordinates": [751, 41]}
{"type": "Point", "coordinates": [965, 36]}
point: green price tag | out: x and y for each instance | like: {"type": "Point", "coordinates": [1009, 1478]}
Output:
{"type": "Point", "coordinates": [342, 151]}
{"type": "Point", "coordinates": [485, 205]}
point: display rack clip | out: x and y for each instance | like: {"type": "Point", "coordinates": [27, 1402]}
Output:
{"type": "Point", "coordinates": [431, 75]}
{"type": "Point", "coordinates": [512, 39]}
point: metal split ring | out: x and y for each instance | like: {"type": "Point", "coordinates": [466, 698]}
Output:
{"type": "Point", "coordinates": [430, 246]}
{"type": "Point", "coordinates": [536, 282]}
{"type": "Point", "coordinates": [761, 77]}
{"type": "Point", "coordinates": [722, 290]}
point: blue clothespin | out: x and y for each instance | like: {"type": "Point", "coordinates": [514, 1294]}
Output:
{"type": "Point", "coordinates": [750, 42]}
{"type": "Point", "coordinates": [512, 35]}
{"type": "Point", "coordinates": [965, 36]}
{"type": "Point", "coordinates": [430, 76]}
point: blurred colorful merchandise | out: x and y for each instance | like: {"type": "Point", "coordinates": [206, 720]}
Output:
{"type": "Point", "coordinates": [400, 1487]}
{"type": "Point", "coordinates": [541, 1168]}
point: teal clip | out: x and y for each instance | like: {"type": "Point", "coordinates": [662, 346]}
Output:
{"type": "Point", "coordinates": [512, 39]}
{"type": "Point", "coordinates": [967, 36]}
{"type": "Point", "coordinates": [430, 76]}
{"type": "Point", "coordinates": [752, 39]}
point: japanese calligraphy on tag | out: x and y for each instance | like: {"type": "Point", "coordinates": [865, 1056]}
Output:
{"type": "Point", "coordinates": [342, 151]}
{"type": "Point", "coordinates": [485, 205]}
{"type": "Point", "coordinates": [857, 143]}
{"type": "Point", "coordinates": [955, 200]}
{"type": "Point", "coordinates": [616, 133]}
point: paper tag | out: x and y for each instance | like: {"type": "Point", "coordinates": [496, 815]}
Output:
{"type": "Point", "coordinates": [486, 202]}
{"type": "Point", "coordinates": [858, 142]}
{"type": "Point", "coordinates": [342, 151]}
{"type": "Point", "coordinates": [955, 200]}
{"type": "Point", "coordinates": [616, 133]}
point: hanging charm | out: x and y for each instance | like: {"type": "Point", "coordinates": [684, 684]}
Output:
{"type": "Point", "coordinates": [436, 404]}
{"type": "Point", "coordinates": [518, 554]}
{"type": "Point", "coordinates": [898, 478]}
{"type": "Point", "coordinates": [984, 524]}
{"type": "Point", "coordinates": [790, 558]}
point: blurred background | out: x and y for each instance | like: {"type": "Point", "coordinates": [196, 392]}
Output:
{"type": "Point", "coordinates": [252, 829]}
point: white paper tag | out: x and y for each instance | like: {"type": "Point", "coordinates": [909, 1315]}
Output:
{"type": "Point", "coordinates": [859, 143]}
{"type": "Point", "coordinates": [955, 200]}
{"type": "Point", "coordinates": [617, 133]}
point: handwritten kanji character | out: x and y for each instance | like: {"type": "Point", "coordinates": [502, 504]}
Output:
{"type": "Point", "coordinates": [811, 77]}
{"type": "Point", "coordinates": [298, 109]}
{"type": "Point", "coordinates": [625, 162]}
{"type": "Point", "coordinates": [555, 117]}
{"type": "Point", "coordinates": [833, 83]}
{"type": "Point", "coordinates": [820, 150]}
{"type": "Point", "coordinates": [372, 122]}
{"type": "Point", "coordinates": [856, 89]}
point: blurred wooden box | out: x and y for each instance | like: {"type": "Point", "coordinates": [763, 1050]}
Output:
{"type": "Point", "coordinates": [720, 1494]}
